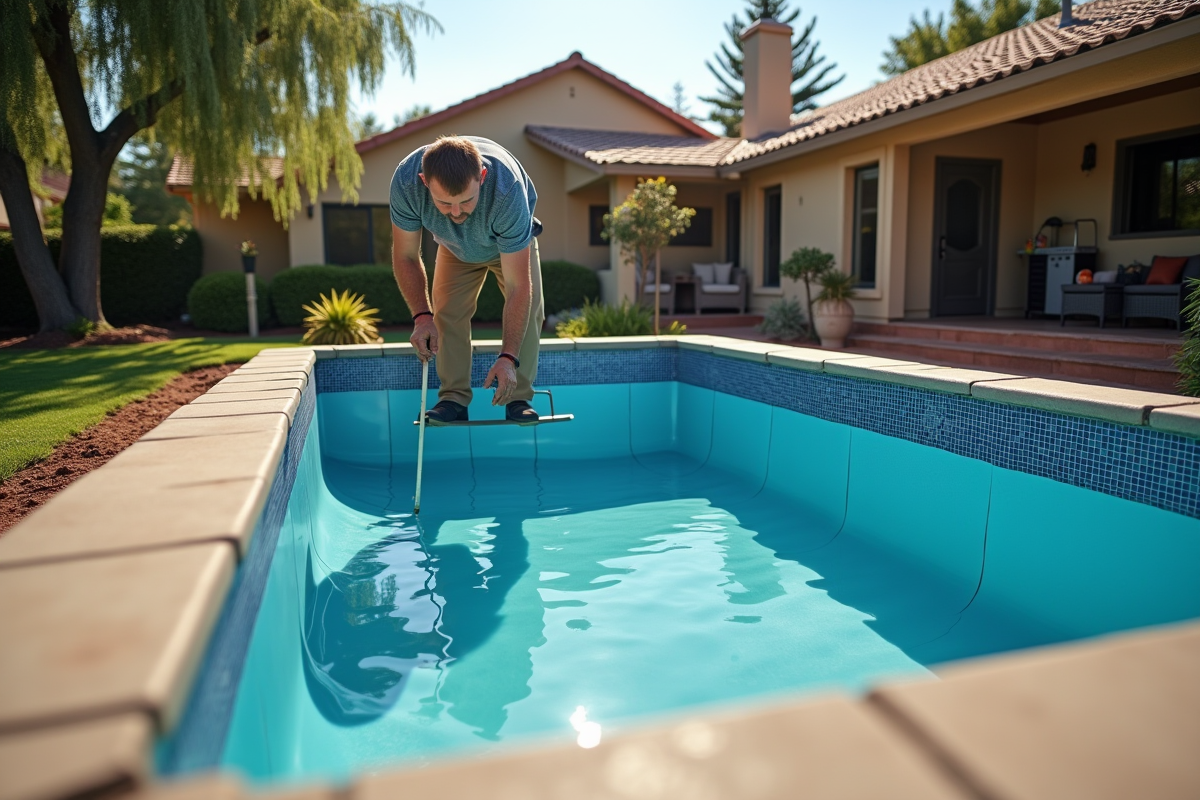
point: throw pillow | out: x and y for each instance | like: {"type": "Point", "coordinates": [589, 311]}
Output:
{"type": "Point", "coordinates": [1131, 275]}
{"type": "Point", "coordinates": [722, 272]}
{"type": "Point", "coordinates": [1165, 271]}
{"type": "Point", "coordinates": [705, 272]}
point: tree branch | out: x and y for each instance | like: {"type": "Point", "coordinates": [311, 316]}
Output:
{"type": "Point", "coordinates": [137, 115]}
{"type": "Point", "coordinates": [52, 34]}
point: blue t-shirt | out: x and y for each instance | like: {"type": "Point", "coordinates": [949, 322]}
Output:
{"type": "Point", "coordinates": [502, 221]}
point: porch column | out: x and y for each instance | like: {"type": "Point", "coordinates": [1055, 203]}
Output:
{"type": "Point", "coordinates": [893, 229]}
{"type": "Point", "coordinates": [619, 188]}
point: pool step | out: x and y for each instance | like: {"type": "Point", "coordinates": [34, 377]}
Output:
{"type": "Point", "coordinates": [1059, 358]}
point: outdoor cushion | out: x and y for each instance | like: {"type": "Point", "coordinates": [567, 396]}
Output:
{"type": "Point", "coordinates": [1165, 270]}
{"type": "Point", "coordinates": [722, 271]}
{"type": "Point", "coordinates": [1158, 288]}
{"type": "Point", "coordinates": [1106, 276]}
{"type": "Point", "coordinates": [1191, 270]}
{"type": "Point", "coordinates": [705, 272]}
{"type": "Point", "coordinates": [663, 288]}
{"type": "Point", "coordinates": [721, 288]}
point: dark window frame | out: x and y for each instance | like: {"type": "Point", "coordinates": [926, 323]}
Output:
{"type": "Point", "coordinates": [856, 240]}
{"type": "Point", "coordinates": [772, 236]}
{"type": "Point", "coordinates": [365, 208]}
{"type": "Point", "coordinates": [733, 228]}
{"type": "Point", "coordinates": [596, 213]}
{"type": "Point", "coordinates": [699, 233]}
{"type": "Point", "coordinates": [1123, 186]}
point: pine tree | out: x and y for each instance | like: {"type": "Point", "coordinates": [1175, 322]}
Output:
{"type": "Point", "coordinates": [141, 178]}
{"type": "Point", "coordinates": [808, 68]}
{"type": "Point", "coordinates": [928, 40]}
{"type": "Point", "coordinates": [229, 83]}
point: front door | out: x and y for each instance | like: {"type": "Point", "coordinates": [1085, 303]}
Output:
{"type": "Point", "coordinates": [964, 237]}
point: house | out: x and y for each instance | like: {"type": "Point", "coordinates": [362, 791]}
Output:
{"type": "Point", "coordinates": [55, 185]}
{"type": "Point", "coordinates": [926, 186]}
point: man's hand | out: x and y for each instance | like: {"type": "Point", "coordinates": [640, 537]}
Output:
{"type": "Point", "coordinates": [505, 376]}
{"type": "Point", "coordinates": [424, 337]}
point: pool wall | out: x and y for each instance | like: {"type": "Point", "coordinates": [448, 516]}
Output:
{"type": "Point", "coordinates": [134, 513]}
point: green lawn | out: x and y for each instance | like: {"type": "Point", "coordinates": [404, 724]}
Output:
{"type": "Point", "coordinates": [46, 396]}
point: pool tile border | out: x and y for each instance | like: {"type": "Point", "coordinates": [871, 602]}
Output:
{"type": "Point", "coordinates": [898, 389]}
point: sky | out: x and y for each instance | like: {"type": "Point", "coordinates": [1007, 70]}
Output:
{"type": "Point", "coordinates": [650, 44]}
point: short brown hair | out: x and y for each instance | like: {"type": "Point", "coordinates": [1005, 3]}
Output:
{"type": "Point", "coordinates": [454, 161]}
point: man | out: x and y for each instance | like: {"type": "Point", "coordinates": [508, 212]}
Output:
{"type": "Point", "coordinates": [477, 201]}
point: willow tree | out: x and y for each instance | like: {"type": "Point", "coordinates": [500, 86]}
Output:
{"type": "Point", "coordinates": [645, 223]}
{"type": "Point", "coordinates": [256, 89]}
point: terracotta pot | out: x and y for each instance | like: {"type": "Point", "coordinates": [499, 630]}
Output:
{"type": "Point", "coordinates": [832, 319]}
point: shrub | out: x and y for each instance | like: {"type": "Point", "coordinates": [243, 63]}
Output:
{"type": "Point", "coordinates": [145, 275]}
{"type": "Point", "coordinates": [566, 285]}
{"type": "Point", "coordinates": [293, 288]}
{"type": "Point", "coordinates": [1187, 360]}
{"type": "Point", "coordinates": [217, 302]}
{"type": "Point", "coordinates": [604, 320]}
{"type": "Point", "coordinates": [784, 320]}
{"type": "Point", "coordinates": [341, 320]}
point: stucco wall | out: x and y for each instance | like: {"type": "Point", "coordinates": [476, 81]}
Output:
{"type": "Point", "coordinates": [222, 238]}
{"type": "Point", "coordinates": [1064, 190]}
{"type": "Point", "coordinates": [571, 99]}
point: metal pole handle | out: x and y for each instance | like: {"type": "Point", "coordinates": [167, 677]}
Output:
{"type": "Point", "coordinates": [421, 436]}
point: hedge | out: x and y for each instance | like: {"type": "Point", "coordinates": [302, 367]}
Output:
{"type": "Point", "coordinates": [145, 274]}
{"type": "Point", "coordinates": [564, 286]}
{"type": "Point", "coordinates": [217, 302]}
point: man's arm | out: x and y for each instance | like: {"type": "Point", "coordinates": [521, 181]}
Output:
{"type": "Point", "coordinates": [414, 285]}
{"type": "Point", "coordinates": [518, 292]}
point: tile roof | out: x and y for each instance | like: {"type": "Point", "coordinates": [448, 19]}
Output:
{"type": "Point", "coordinates": [1042, 42]}
{"type": "Point", "coordinates": [574, 61]}
{"type": "Point", "coordinates": [625, 147]}
{"type": "Point", "coordinates": [182, 172]}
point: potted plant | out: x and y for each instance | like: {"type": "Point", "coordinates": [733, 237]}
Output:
{"type": "Point", "coordinates": [249, 254]}
{"type": "Point", "coordinates": [807, 264]}
{"type": "Point", "coordinates": [832, 313]}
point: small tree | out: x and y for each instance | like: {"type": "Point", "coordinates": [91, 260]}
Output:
{"type": "Point", "coordinates": [644, 224]}
{"type": "Point", "coordinates": [807, 264]}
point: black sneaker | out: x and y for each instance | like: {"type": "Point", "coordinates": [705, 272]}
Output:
{"type": "Point", "coordinates": [520, 411]}
{"type": "Point", "coordinates": [447, 411]}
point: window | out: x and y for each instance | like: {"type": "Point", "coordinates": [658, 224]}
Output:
{"type": "Point", "coordinates": [733, 228]}
{"type": "Point", "coordinates": [1158, 185]}
{"type": "Point", "coordinates": [866, 224]}
{"type": "Point", "coordinates": [699, 233]}
{"type": "Point", "coordinates": [357, 234]}
{"type": "Point", "coordinates": [596, 225]}
{"type": "Point", "coordinates": [772, 228]}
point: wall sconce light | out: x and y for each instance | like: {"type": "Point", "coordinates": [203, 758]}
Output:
{"type": "Point", "coordinates": [1089, 158]}
{"type": "Point", "coordinates": [309, 210]}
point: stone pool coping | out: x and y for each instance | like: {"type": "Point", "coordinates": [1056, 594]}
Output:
{"type": "Point", "coordinates": [143, 550]}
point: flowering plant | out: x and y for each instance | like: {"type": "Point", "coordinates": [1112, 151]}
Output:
{"type": "Point", "coordinates": [248, 248]}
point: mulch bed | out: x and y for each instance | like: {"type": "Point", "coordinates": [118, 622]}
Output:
{"type": "Point", "coordinates": [52, 340]}
{"type": "Point", "coordinates": [34, 485]}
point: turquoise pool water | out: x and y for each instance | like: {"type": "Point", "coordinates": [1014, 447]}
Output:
{"type": "Point", "coordinates": [672, 548]}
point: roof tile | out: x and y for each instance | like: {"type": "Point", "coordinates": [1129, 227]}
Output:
{"type": "Point", "coordinates": [628, 147]}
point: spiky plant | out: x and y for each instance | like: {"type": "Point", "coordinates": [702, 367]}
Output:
{"type": "Point", "coordinates": [1187, 360]}
{"type": "Point", "coordinates": [784, 320]}
{"type": "Point", "coordinates": [341, 319]}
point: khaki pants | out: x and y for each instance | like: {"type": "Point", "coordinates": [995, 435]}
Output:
{"type": "Point", "coordinates": [456, 286]}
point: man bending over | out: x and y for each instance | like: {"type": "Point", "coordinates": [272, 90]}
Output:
{"type": "Point", "coordinates": [477, 201]}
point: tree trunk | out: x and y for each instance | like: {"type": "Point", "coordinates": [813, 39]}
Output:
{"type": "Point", "coordinates": [50, 297]}
{"type": "Point", "coordinates": [657, 286]}
{"type": "Point", "coordinates": [83, 212]}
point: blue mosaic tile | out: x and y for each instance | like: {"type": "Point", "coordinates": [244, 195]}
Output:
{"type": "Point", "coordinates": [1134, 463]}
{"type": "Point", "coordinates": [200, 737]}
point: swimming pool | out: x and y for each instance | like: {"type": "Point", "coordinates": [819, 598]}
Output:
{"type": "Point", "coordinates": [692, 538]}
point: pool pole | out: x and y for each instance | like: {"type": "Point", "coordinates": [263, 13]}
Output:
{"type": "Point", "coordinates": [421, 436]}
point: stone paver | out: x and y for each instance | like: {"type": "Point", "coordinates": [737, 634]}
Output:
{"type": "Point", "coordinates": [831, 749]}
{"type": "Point", "coordinates": [216, 426]}
{"type": "Point", "coordinates": [285, 405]}
{"type": "Point", "coordinates": [1183, 420]}
{"type": "Point", "coordinates": [73, 760]}
{"type": "Point", "coordinates": [103, 636]}
{"type": "Point", "coordinates": [1115, 718]}
{"type": "Point", "coordinates": [235, 387]}
{"type": "Point", "coordinates": [1125, 406]}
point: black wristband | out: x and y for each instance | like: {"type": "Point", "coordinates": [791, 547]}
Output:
{"type": "Point", "coordinates": [421, 314]}
{"type": "Point", "coordinates": [516, 361]}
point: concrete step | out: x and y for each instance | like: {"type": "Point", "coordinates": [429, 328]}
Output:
{"type": "Point", "coordinates": [1100, 341]}
{"type": "Point", "coordinates": [1157, 374]}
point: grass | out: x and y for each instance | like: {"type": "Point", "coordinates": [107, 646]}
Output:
{"type": "Point", "coordinates": [47, 396]}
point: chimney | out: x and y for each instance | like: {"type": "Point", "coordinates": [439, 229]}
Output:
{"type": "Point", "coordinates": [767, 71]}
{"type": "Point", "coordinates": [1066, 20]}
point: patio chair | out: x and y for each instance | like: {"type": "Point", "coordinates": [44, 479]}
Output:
{"type": "Point", "coordinates": [720, 285]}
{"type": "Point", "coordinates": [1100, 300]}
{"type": "Point", "coordinates": [1160, 300]}
{"type": "Point", "coordinates": [666, 293]}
